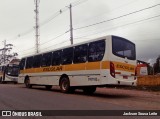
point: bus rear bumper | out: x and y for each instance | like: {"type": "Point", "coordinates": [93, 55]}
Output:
{"type": "Point", "coordinates": [126, 82]}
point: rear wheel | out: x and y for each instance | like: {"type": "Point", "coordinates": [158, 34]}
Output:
{"type": "Point", "coordinates": [89, 90]}
{"type": "Point", "coordinates": [27, 83]}
{"type": "Point", "coordinates": [65, 85]}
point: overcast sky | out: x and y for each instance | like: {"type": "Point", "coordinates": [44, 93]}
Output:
{"type": "Point", "coordinates": [17, 21]}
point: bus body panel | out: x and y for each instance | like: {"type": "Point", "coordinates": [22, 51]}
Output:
{"type": "Point", "coordinates": [11, 78]}
{"type": "Point", "coordinates": [86, 74]}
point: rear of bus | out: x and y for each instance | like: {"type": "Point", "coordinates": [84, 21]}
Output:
{"type": "Point", "coordinates": [122, 57]}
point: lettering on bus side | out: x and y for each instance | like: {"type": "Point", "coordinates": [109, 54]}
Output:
{"type": "Point", "coordinates": [125, 67]}
{"type": "Point", "coordinates": [48, 69]}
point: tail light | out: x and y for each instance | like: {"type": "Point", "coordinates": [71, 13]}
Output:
{"type": "Point", "coordinates": [112, 69]}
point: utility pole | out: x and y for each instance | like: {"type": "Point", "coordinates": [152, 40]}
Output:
{"type": "Point", "coordinates": [37, 24]}
{"type": "Point", "coordinates": [71, 27]}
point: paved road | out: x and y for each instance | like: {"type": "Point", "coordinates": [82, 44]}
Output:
{"type": "Point", "coordinates": [17, 97]}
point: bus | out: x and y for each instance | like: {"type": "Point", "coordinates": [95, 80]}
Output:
{"type": "Point", "coordinates": [108, 60]}
{"type": "Point", "coordinates": [9, 73]}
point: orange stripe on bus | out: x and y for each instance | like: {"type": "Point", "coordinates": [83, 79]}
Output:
{"type": "Point", "coordinates": [92, 65]}
{"type": "Point", "coordinates": [105, 65]}
{"type": "Point", "coordinates": [74, 67]}
{"type": "Point", "coordinates": [82, 66]}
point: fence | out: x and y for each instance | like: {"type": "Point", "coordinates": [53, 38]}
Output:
{"type": "Point", "coordinates": [150, 80]}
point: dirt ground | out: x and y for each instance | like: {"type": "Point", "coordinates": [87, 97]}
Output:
{"type": "Point", "coordinates": [139, 98]}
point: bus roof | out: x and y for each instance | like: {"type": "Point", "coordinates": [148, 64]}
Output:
{"type": "Point", "coordinates": [92, 40]}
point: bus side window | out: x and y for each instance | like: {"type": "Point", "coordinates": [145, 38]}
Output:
{"type": "Point", "coordinates": [56, 58]}
{"type": "Point", "coordinates": [96, 51]}
{"type": "Point", "coordinates": [22, 63]}
{"type": "Point", "coordinates": [29, 62]}
{"type": "Point", "coordinates": [67, 56]}
{"type": "Point", "coordinates": [46, 59]}
{"type": "Point", "coordinates": [37, 61]}
{"type": "Point", "coordinates": [80, 53]}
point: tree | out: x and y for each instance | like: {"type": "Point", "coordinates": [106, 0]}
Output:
{"type": "Point", "coordinates": [6, 55]}
{"type": "Point", "coordinates": [156, 65]}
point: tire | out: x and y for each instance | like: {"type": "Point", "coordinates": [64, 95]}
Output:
{"type": "Point", "coordinates": [48, 87]}
{"type": "Point", "coordinates": [27, 83]}
{"type": "Point", "coordinates": [65, 85]}
{"type": "Point", "coordinates": [89, 90]}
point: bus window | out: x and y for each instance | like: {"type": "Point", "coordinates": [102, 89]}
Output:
{"type": "Point", "coordinates": [37, 61]}
{"type": "Point", "coordinates": [67, 56]}
{"type": "Point", "coordinates": [46, 59]}
{"type": "Point", "coordinates": [123, 48]}
{"type": "Point", "coordinates": [56, 58]}
{"type": "Point", "coordinates": [29, 62]}
{"type": "Point", "coordinates": [22, 63]}
{"type": "Point", "coordinates": [96, 51]}
{"type": "Point", "coordinates": [80, 53]}
{"type": "Point", "coordinates": [12, 70]}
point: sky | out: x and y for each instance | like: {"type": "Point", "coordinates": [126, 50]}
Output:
{"type": "Point", "coordinates": [136, 20]}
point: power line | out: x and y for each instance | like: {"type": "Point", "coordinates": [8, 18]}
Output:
{"type": "Point", "coordinates": [47, 47]}
{"type": "Point", "coordinates": [55, 15]}
{"type": "Point", "coordinates": [119, 26]}
{"type": "Point", "coordinates": [99, 32]}
{"type": "Point", "coordinates": [62, 10]}
{"type": "Point", "coordinates": [48, 41]}
{"type": "Point", "coordinates": [24, 54]}
{"type": "Point", "coordinates": [28, 49]}
{"type": "Point", "coordinates": [55, 37]}
{"type": "Point", "coordinates": [92, 33]}
{"type": "Point", "coordinates": [117, 17]}
{"type": "Point", "coordinates": [55, 45]}
{"type": "Point", "coordinates": [78, 2]}
{"type": "Point", "coordinates": [110, 10]}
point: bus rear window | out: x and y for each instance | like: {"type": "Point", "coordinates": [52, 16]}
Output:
{"type": "Point", "coordinates": [123, 48]}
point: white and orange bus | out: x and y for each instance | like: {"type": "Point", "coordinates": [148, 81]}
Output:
{"type": "Point", "coordinates": [9, 73]}
{"type": "Point", "coordinates": [109, 60]}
